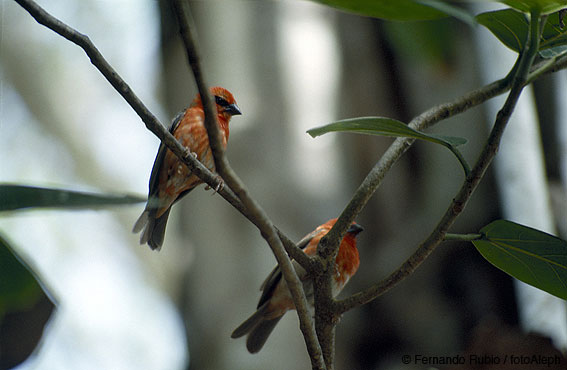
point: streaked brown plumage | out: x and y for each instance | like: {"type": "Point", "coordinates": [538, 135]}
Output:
{"type": "Point", "coordinates": [171, 179]}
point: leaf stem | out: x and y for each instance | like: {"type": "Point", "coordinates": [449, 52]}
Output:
{"type": "Point", "coordinates": [462, 160]}
{"type": "Point", "coordinates": [462, 237]}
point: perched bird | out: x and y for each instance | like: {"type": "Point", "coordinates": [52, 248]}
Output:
{"type": "Point", "coordinates": [276, 299]}
{"type": "Point", "coordinates": [171, 179]}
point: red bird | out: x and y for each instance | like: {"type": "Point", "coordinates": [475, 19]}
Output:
{"type": "Point", "coordinates": [276, 299]}
{"type": "Point", "coordinates": [171, 179]}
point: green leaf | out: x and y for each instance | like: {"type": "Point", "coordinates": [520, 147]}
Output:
{"type": "Point", "coordinates": [19, 289]}
{"type": "Point", "coordinates": [399, 10]}
{"type": "Point", "coordinates": [544, 6]}
{"type": "Point", "coordinates": [553, 52]}
{"type": "Point", "coordinates": [529, 255]}
{"type": "Point", "coordinates": [428, 42]}
{"type": "Point", "coordinates": [383, 126]}
{"type": "Point", "coordinates": [25, 308]}
{"type": "Point", "coordinates": [553, 35]}
{"type": "Point", "coordinates": [450, 9]}
{"type": "Point", "coordinates": [14, 197]}
{"type": "Point", "coordinates": [511, 28]}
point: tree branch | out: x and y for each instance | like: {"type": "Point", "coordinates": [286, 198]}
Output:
{"type": "Point", "coordinates": [186, 25]}
{"type": "Point", "coordinates": [237, 194]}
{"type": "Point", "coordinates": [254, 211]}
{"type": "Point", "coordinates": [422, 122]}
{"type": "Point", "coordinates": [547, 66]}
{"type": "Point", "coordinates": [328, 246]}
{"type": "Point", "coordinates": [191, 46]}
{"type": "Point", "coordinates": [425, 120]}
{"type": "Point", "coordinates": [458, 204]}
{"type": "Point", "coordinates": [151, 122]}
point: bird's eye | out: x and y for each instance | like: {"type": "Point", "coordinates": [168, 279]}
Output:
{"type": "Point", "coordinates": [221, 101]}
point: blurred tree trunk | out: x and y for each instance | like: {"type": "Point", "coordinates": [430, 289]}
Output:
{"type": "Point", "coordinates": [560, 193]}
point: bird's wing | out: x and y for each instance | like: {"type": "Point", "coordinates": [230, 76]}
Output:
{"type": "Point", "coordinates": [154, 177]}
{"type": "Point", "coordinates": [275, 276]}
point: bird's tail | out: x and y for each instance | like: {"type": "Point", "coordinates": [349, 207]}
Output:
{"type": "Point", "coordinates": [141, 222]}
{"type": "Point", "coordinates": [258, 329]}
{"type": "Point", "coordinates": [153, 228]}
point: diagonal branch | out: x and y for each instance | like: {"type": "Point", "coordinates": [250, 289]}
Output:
{"type": "Point", "coordinates": [237, 194]}
{"type": "Point", "coordinates": [149, 119]}
{"type": "Point", "coordinates": [254, 211]}
{"type": "Point", "coordinates": [327, 311]}
{"type": "Point", "coordinates": [547, 66]}
{"type": "Point", "coordinates": [422, 122]}
{"type": "Point", "coordinates": [191, 46]}
{"type": "Point", "coordinates": [519, 81]}
{"type": "Point", "coordinates": [427, 119]}
{"type": "Point", "coordinates": [329, 245]}
{"type": "Point", "coordinates": [192, 49]}
{"type": "Point", "coordinates": [46, 19]}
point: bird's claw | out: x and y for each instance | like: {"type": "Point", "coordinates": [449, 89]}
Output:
{"type": "Point", "coordinates": [187, 152]}
{"type": "Point", "coordinates": [219, 187]}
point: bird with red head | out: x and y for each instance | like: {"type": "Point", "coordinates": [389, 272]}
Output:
{"type": "Point", "coordinates": [276, 299]}
{"type": "Point", "coordinates": [171, 179]}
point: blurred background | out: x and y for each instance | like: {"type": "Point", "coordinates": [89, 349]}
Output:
{"type": "Point", "coordinates": [292, 65]}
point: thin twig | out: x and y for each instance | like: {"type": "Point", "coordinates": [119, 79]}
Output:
{"type": "Point", "coordinates": [186, 26]}
{"type": "Point", "coordinates": [213, 132]}
{"type": "Point", "coordinates": [151, 122]}
{"type": "Point", "coordinates": [462, 237]}
{"type": "Point", "coordinates": [254, 211]}
{"type": "Point", "coordinates": [547, 66]}
{"type": "Point", "coordinates": [328, 246]}
{"type": "Point", "coordinates": [471, 182]}
{"type": "Point", "coordinates": [422, 122]}
{"type": "Point", "coordinates": [425, 120]}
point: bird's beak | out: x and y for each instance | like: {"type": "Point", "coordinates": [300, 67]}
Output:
{"type": "Point", "coordinates": [355, 229]}
{"type": "Point", "coordinates": [232, 109]}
